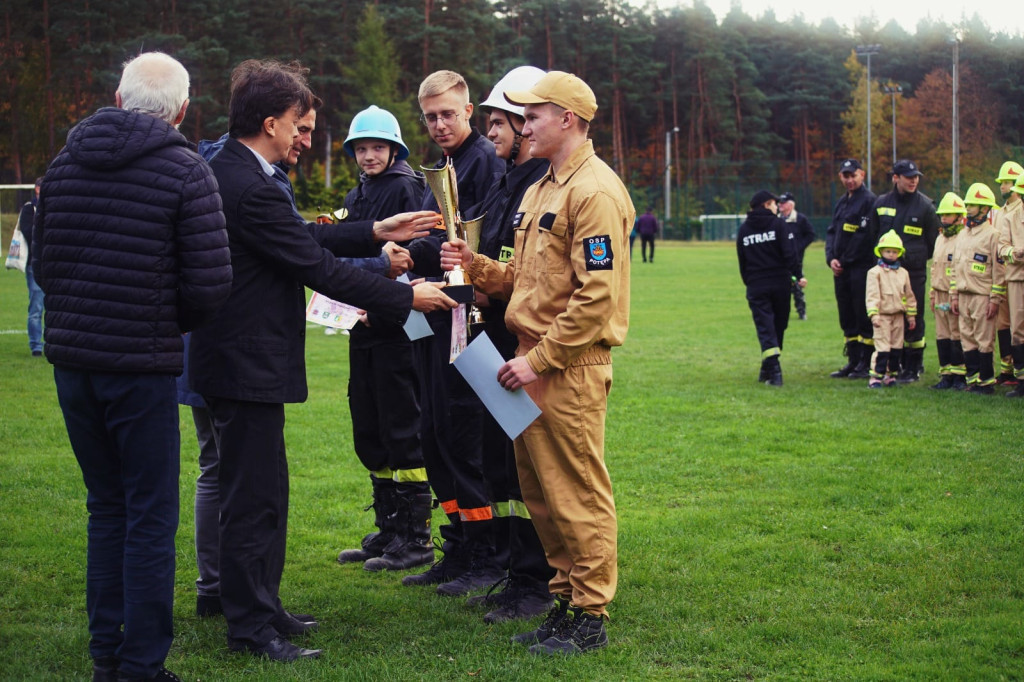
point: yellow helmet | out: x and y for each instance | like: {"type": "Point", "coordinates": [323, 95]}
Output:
{"type": "Point", "coordinates": [889, 240]}
{"type": "Point", "coordinates": [1011, 171]}
{"type": "Point", "coordinates": [952, 203]}
{"type": "Point", "coordinates": [980, 194]}
{"type": "Point", "coordinates": [1018, 186]}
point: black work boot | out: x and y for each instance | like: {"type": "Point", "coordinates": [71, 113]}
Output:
{"type": "Point", "coordinates": [448, 567]}
{"type": "Point", "coordinates": [863, 368]}
{"type": "Point", "coordinates": [774, 371]}
{"type": "Point", "coordinates": [483, 570]}
{"type": "Point", "coordinates": [411, 546]}
{"type": "Point", "coordinates": [383, 505]}
{"type": "Point", "coordinates": [911, 365]}
{"type": "Point", "coordinates": [578, 633]}
{"type": "Point", "coordinates": [945, 383]}
{"type": "Point", "coordinates": [523, 597]}
{"type": "Point", "coordinates": [557, 614]}
{"type": "Point", "coordinates": [852, 353]}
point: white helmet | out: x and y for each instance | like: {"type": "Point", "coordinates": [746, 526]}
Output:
{"type": "Point", "coordinates": [519, 78]}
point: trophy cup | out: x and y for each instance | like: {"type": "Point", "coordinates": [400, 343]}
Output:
{"type": "Point", "coordinates": [443, 185]}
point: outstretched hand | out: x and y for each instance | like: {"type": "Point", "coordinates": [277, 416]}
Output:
{"type": "Point", "coordinates": [405, 226]}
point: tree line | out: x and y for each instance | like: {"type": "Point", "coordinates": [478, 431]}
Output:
{"type": "Point", "coordinates": [746, 102]}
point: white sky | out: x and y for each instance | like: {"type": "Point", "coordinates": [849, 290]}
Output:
{"type": "Point", "coordinates": [906, 12]}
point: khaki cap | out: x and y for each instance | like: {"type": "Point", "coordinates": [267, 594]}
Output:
{"type": "Point", "coordinates": [561, 88]}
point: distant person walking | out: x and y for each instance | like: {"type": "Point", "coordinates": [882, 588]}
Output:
{"type": "Point", "coordinates": [35, 294]}
{"type": "Point", "coordinates": [647, 226]}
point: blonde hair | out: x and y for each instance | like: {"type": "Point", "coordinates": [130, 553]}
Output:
{"type": "Point", "coordinates": [441, 82]}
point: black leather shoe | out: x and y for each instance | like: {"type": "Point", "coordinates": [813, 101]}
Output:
{"type": "Point", "coordinates": [277, 649]}
{"type": "Point", "coordinates": [288, 625]}
{"type": "Point", "coordinates": [208, 605]}
{"type": "Point", "coordinates": [104, 669]}
{"type": "Point", "coordinates": [164, 675]}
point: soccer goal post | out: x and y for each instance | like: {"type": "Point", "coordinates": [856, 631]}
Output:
{"type": "Point", "coordinates": [720, 226]}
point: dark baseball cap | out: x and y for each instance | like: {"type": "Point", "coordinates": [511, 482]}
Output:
{"type": "Point", "coordinates": [906, 168]}
{"type": "Point", "coordinates": [849, 166]}
{"type": "Point", "coordinates": [786, 196]}
{"type": "Point", "coordinates": [761, 197]}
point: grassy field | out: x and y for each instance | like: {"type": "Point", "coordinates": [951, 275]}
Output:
{"type": "Point", "coordinates": [819, 531]}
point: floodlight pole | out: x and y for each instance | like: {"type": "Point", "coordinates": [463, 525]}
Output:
{"type": "Point", "coordinates": [956, 112]}
{"type": "Point", "coordinates": [867, 51]}
{"type": "Point", "coordinates": [668, 173]}
{"type": "Point", "coordinates": [893, 90]}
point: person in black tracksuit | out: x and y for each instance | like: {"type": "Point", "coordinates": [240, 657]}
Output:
{"type": "Point", "coordinates": [452, 414]}
{"type": "Point", "coordinates": [912, 215]}
{"type": "Point", "coordinates": [383, 389]}
{"type": "Point", "coordinates": [848, 252]}
{"type": "Point", "coordinates": [768, 265]}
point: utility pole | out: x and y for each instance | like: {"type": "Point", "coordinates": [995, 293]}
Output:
{"type": "Point", "coordinates": [893, 90]}
{"type": "Point", "coordinates": [867, 51]}
{"type": "Point", "coordinates": [956, 111]}
{"type": "Point", "coordinates": [668, 172]}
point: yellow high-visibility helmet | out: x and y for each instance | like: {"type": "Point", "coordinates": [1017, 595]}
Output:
{"type": "Point", "coordinates": [980, 194]}
{"type": "Point", "coordinates": [951, 203]}
{"type": "Point", "coordinates": [889, 240]}
{"type": "Point", "coordinates": [1011, 171]}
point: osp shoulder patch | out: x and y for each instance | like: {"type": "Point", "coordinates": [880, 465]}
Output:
{"type": "Point", "coordinates": [599, 252]}
{"type": "Point", "coordinates": [517, 220]}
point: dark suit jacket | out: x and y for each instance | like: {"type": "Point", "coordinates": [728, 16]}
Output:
{"type": "Point", "coordinates": [255, 349]}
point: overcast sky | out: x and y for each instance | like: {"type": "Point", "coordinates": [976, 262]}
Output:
{"type": "Point", "coordinates": [906, 12]}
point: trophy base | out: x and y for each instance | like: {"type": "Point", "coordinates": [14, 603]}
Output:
{"type": "Point", "coordinates": [460, 293]}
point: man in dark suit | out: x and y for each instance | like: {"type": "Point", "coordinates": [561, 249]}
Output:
{"type": "Point", "coordinates": [250, 361]}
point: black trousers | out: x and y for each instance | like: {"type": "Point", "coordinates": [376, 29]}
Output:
{"type": "Point", "coordinates": [253, 515]}
{"type": "Point", "coordinates": [850, 288]}
{"type": "Point", "coordinates": [646, 240]}
{"type": "Point", "coordinates": [769, 305]}
{"type": "Point", "coordinates": [384, 401]}
{"type": "Point", "coordinates": [451, 432]}
{"type": "Point", "coordinates": [915, 338]}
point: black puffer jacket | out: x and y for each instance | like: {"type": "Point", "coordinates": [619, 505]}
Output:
{"type": "Point", "coordinates": [129, 245]}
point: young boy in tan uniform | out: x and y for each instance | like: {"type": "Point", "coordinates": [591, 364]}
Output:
{"type": "Point", "coordinates": [889, 300]}
{"type": "Point", "coordinates": [951, 212]}
{"type": "Point", "coordinates": [978, 287]}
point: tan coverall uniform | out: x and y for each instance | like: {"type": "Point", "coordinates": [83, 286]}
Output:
{"type": "Point", "coordinates": [1011, 250]}
{"type": "Point", "coordinates": [889, 298]}
{"type": "Point", "coordinates": [1009, 213]}
{"type": "Point", "coordinates": [947, 326]}
{"type": "Point", "coordinates": [978, 279]}
{"type": "Point", "coordinates": [568, 292]}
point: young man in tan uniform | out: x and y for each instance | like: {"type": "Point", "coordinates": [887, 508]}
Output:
{"type": "Point", "coordinates": [568, 291]}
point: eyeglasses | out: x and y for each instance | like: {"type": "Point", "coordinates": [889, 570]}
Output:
{"type": "Point", "coordinates": [446, 117]}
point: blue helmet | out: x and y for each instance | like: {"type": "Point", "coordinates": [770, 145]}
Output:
{"type": "Point", "coordinates": [376, 124]}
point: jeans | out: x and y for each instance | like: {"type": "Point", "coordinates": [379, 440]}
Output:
{"type": "Point", "coordinates": [35, 312]}
{"type": "Point", "coordinates": [123, 429]}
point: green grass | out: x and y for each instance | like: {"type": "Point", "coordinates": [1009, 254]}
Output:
{"type": "Point", "coordinates": [817, 531]}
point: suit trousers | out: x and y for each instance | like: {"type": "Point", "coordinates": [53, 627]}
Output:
{"type": "Point", "coordinates": [253, 481]}
{"type": "Point", "coordinates": [123, 429]}
{"type": "Point", "coordinates": [564, 481]}
{"type": "Point", "coordinates": [207, 506]}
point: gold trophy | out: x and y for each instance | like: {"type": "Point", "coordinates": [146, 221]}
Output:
{"type": "Point", "coordinates": [443, 185]}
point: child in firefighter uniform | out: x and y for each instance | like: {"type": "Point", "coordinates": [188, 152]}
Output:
{"type": "Point", "coordinates": [1009, 174]}
{"type": "Point", "coordinates": [951, 213]}
{"type": "Point", "coordinates": [978, 287]}
{"type": "Point", "coordinates": [889, 300]}
{"type": "Point", "coordinates": [1011, 251]}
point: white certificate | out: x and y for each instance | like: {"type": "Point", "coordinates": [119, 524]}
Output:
{"type": "Point", "coordinates": [331, 313]}
{"type": "Point", "coordinates": [479, 365]}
